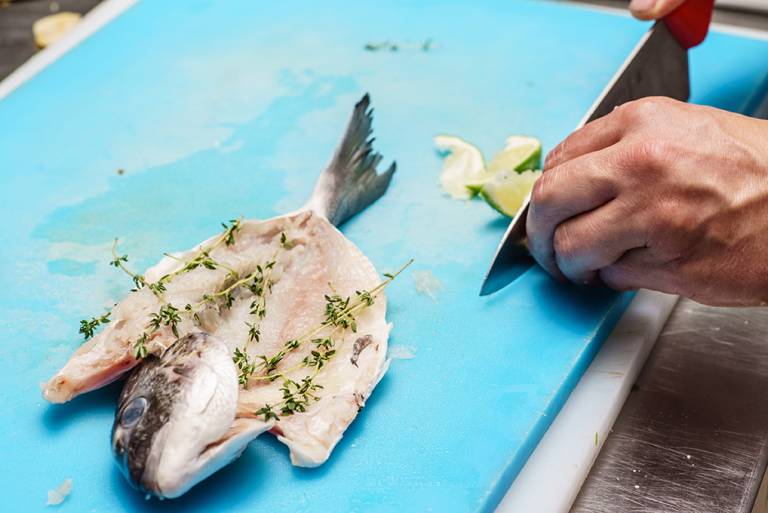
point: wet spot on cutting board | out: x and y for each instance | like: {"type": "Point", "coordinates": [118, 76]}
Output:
{"type": "Point", "coordinates": [173, 206]}
{"type": "Point", "coordinates": [69, 267]}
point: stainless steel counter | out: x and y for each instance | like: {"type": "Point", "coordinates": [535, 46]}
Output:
{"type": "Point", "coordinates": [693, 434]}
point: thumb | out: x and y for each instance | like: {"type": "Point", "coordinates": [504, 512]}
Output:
{"type": "Point", "coordinates": [653, 9]}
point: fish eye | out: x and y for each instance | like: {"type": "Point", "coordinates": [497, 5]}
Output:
{"type": "Point", "coordinates": [133, 412]}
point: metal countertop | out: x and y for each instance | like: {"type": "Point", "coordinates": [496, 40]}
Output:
{"type": "Point", "coordinates": [693, 434]}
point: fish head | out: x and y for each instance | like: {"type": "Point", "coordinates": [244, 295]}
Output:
{"type": "Point", "coordinates": [174, 414]}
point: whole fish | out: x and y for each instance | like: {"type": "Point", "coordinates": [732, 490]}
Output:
{"type": "Point", "coordinates": [272, 325]}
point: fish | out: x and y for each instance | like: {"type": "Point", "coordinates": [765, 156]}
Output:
{"type": "Point", "coordinates": [276, 325]}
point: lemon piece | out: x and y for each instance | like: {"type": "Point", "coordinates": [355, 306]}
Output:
{"type": "Point", "coordinates": [463, 164]}
{"type": "Point", "coordinates": [507, 190]}
{"type": "Point", "coordinates": [49, 29]}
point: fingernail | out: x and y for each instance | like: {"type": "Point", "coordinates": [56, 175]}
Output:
{"type": "Point", "coordinates": [641, 5]}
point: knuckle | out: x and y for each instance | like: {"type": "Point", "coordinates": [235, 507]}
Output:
{"type": "Point", "coordinates": [567, 246]}
{"type": "Point", "coordinates": [554, 156]}
{"type": "Point", "coordinates": [642, 109]}
{"type": "Point", "coordinates": [542, 193]}
{"type": "Point", "coordinates": [651, 154]}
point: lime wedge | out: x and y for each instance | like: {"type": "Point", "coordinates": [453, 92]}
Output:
{"type": "Point", "coordinates": [463, 164]}
{"type": "Point", "coordinates": [520, 153]}
{"type": "Point", "coordinates": [507, 190]}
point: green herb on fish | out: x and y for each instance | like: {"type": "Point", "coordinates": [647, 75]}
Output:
{"type": "Point", "coordinates": [230, 230]}
{"type": "Point", "coordinates": [285, 243]}
{"type": "Point", "coordinates": [87, 327]}
{"type": "Point", "coordinates": [267, 412]}
{"type": "Point", "coordinates": [168, 315]}
{"type": "Point", "coordinates": [339, 317]}
{"type": "Point", "coordinates": [119, 261]}
{"type": "Point", "coordinates": [365, 297]}
{"type": "Point", "coordinates": [140, 346]}
{"type": "Point", "coordinates": [259, 287]}
{"type": "Point", "coordinates": [202, 258]}
{"type": "Point", "coordinates": [244, 365]}
{"type": "Point", "coordinates": [337, 312]}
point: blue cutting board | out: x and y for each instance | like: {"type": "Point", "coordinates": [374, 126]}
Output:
{"type": "Point", "coordinates": [217, 109]}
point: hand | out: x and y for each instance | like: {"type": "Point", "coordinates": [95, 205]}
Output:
{"type": "Point", "coordinates": [658, 194]}
{"type": "Point", "coordinates": [653, 9]}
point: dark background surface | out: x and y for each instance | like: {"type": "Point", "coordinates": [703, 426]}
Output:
{"type": "Point", "coordinates": [17, 43]}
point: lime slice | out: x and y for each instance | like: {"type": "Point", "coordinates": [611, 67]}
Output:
{"type": "Point", "coordinates": [463, 164]}
{"type": "Point", "coordinates": [520, 153]}
{"type": "Point", "coordinates": [507, 190]}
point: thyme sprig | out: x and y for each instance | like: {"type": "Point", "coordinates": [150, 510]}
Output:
{"type": "Point", "coordinates": [140, 346]}
{"type": "Point", "coordinates": [87, 327]}
{"type": "Point", "coordinates": [260, 286]}
{"type": "Point", "coordinates": [339, 317]}
{"type": "Point", "coordinates": [202, 258]}
{"type": "Point", "coordinates": [168, 314]}
{"type": "Point", "coordinates": [342, 318]}
{"type": "Point", "coordinates": [119, 261]}
{"type": "Point", "coordinates": [244, 365]}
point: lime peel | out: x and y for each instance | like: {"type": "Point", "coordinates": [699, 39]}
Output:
{"type": "Point", "coordinates": [463, 164]}
{"type": "Point", "coordinates": [503, 183]}
{"type": "Point", "coordinates": [520, 153]}
{"type": "Point", "coordinates": [506, 191]}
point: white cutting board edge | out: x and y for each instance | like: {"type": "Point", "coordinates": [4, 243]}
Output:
{"type": "Point", "coordinates": [554, 473]}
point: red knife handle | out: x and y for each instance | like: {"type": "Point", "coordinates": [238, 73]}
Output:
{"type": "Point", "coordinates": [689, 23]}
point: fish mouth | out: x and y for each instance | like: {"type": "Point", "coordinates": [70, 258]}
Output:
{"type": "Point", "coordinates": [163, 477]}
{"type": "Point", "coordinates": [138, 461]}
{"type": "Point", "coordinates": [156, 476]}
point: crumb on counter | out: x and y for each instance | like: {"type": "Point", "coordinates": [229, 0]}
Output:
{"type": "Point", "coordinates": [60, 493]}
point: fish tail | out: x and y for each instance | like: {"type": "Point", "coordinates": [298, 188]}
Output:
{"type": "Point", "coordinates": [350, 183]}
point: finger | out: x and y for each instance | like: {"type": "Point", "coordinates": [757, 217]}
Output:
{"type": "Point", "coordinates": [641, 268]}
{"type": "Point", "coordinates": [595, 135]}
{"type": "Point", "coordinates": [653, 9]}
{"type": "Point", "coordinates": [596, 239]}
{"type": "Point", "coordinates": [575, 187]}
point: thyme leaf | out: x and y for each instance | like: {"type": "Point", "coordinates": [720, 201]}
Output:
{"type": "Point", "coordinates": [87, 327]}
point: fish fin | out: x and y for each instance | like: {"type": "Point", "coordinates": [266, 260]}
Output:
{"type": "Point", "coordinates": [350, 183]}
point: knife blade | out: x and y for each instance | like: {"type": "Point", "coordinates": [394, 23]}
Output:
{"type": "Point", "coordinates": [657, 66]}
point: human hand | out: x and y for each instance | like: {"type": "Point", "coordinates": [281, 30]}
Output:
{"type": "Point", "coordinates": [653, 9]}
{"type": "Point", "coordinates": [658, 194]}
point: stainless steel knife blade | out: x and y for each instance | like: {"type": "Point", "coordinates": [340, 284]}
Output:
{"type": "Point", "coordinates": [657, 66]}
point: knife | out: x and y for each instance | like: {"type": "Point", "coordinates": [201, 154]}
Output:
{"type": "Point", "coordinates": [657, 66]}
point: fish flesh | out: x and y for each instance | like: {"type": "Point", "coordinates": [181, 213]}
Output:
{"type": "Point", "coordinates": [275, 325]}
